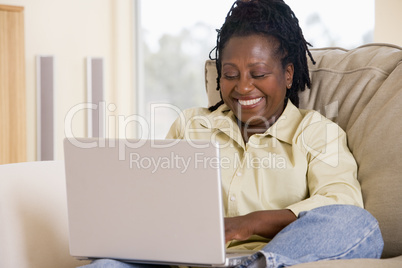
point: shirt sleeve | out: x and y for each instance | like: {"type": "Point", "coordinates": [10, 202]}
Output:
{"type": "Point", "coordinates": [177, 129]}
{"type": "Point", "coordinates": [332, 170]}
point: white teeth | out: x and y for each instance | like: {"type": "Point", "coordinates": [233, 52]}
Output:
{"type": "Point", "coordinates": [249, 102]}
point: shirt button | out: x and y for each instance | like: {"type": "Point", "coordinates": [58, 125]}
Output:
{"type": "Point", "coordinates": [239, 174]}
{"type": "Point", "coordinates": [232, 198]}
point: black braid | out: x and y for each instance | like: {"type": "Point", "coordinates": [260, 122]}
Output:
{"type": "Point", "coordinates": [272, 18]}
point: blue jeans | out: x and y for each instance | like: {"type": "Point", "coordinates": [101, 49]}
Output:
{"type": "Point", "coordinates": [325, 233]}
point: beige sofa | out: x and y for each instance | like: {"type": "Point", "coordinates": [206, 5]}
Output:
{"type": "Point", "coordinates": [360, 89]}
{"type": "Point", "coordinates": [33, 216]}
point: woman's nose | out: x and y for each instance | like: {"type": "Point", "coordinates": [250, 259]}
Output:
{"type": "Point", "coordinates": [244, 85]}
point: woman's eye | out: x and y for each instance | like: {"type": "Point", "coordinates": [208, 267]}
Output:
{"type": "Point", "coordinates": [256, 76]}
{"type": "Point", "coordinates": [230, 76]}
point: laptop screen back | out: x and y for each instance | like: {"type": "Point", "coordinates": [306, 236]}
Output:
{"type": "Point", "coordinates": [145, 200]}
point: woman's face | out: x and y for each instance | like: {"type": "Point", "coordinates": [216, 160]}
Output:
{"type": "Point", "coordinates": [253, 82]}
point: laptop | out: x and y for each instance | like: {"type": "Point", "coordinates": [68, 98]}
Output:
{"type": "Point", "coordinates": [146, 201]}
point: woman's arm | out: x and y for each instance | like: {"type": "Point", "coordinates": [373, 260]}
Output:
{"type": "Point", "coordinates": [263, 223]}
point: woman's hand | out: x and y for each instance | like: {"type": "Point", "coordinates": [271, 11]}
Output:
{"type": "Point", "coordinates": [238, 228]}
{"type": "Point", "coordinates": [265, 223]}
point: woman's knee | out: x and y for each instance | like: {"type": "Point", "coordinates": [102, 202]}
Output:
{"type": "Point", "coordinates": [334, 231]}
{"type": "Point", "coordinates": [342, 216]}
{"type": "Point", "coordinates": [352, 225]}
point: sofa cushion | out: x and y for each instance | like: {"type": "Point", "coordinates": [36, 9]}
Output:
{"type": "Point", "coordinates": [366, 263]}
{"type": "Point", "coordinates": [361, 90]}
{"type": "Point", "coordinates": [33, 216]}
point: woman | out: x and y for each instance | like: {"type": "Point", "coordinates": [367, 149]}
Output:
{"type": "Point", "coordinates": [289, 187]}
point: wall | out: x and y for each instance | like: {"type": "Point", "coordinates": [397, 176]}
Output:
{"type": "Point", "coordinates": [388, 21]}
{"type": "Point", "coordinates": [71, 31]}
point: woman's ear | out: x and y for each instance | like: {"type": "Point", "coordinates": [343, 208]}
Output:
{"type": "Point", "coordinates": [289, 71]}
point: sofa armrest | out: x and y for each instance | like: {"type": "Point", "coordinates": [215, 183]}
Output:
{"type": "Point", "coordinates": [33, 216]}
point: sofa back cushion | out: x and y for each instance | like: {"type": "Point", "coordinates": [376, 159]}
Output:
{"type": "Point", "coordinates": [361, 90]}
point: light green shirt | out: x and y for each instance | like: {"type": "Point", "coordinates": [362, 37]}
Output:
{"type": "Point", "coordinates": [301, 162]}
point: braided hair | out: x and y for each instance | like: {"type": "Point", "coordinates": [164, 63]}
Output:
{"type": "Point", "coordinates": [271, 18]}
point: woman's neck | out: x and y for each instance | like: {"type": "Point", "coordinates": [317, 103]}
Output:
{"type": "Point", "coordinates": [248, 130]}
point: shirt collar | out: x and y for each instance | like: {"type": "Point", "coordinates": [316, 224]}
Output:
{"type": "Point", "coordinates": [283, 129]}
{"type": "Point", "coordinates": [224, 120]}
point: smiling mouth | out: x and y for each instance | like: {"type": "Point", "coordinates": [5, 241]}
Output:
{"type": "Point", "coordinates": [249, 102]}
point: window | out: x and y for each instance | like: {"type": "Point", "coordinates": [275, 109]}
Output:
{"type": "Point", "coordinates": [178, 35]}
{"type": "Point", "coordinates": [342, 23]}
